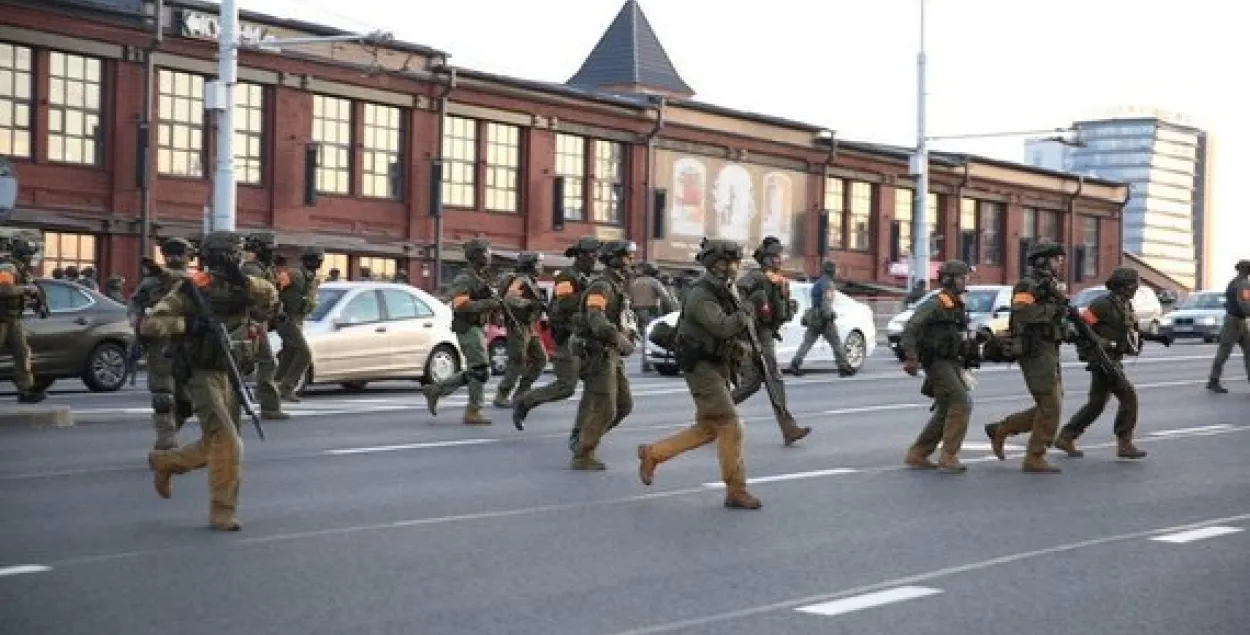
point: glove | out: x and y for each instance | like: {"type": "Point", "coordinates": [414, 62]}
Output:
{"type": "Point", "coordinates": [624, 344]}
{"type": "Point", "coordinates": [911, 367]}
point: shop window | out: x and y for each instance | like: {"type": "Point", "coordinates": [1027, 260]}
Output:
{"type": "Point", "coordinates": [65, 250]}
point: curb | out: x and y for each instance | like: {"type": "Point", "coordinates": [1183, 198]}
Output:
{"type": "Point", "coordinates": [36, 416]}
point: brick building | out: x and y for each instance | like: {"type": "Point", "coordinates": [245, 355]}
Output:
{"type": "Point", "coordinates": [621, 150]}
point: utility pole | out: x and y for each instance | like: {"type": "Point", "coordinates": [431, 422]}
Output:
{"type": "Point", "coordinates": [920, 215]}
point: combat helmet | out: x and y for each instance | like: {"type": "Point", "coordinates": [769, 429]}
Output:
{"type": "Point", "coordinates": [714, 250]}
{"type": "Point", "coordinates": [1243, 266]}
{"type": "Point", "coordinates": [770, 246]}
{"type": "Point", "coordinates": [587, 245]}
{"type": "Point", "coordinates": [611, 251]}
{"type": "Point", "coordinates": [952, 269]}
{"type": "Point", "coordinates": [1122, 278]}
{"type": "Point", "coordinates": [477, 249]}
{"type": "Point", "coordinates": [222, 242]}
{"type": "Point", "coordinates": [1046, 249]}
{"type": "Point", "coordinates": [175, 247]}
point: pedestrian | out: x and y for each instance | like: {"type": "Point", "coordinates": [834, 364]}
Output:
{"type": "Point", "coordinates": [474, 304]}
{"type": "Point", "coordinates": [822, 321]}
{"type": "Point", "coordinates": [1236, 330]}
{"type": "Point", "coordinates": [766, 292]}
{"type": "Point", "coordinates": [1038, 308]}
{"type": "Point", "coordinates": [709, 334]}
{"type": "Point", "coordinates": [936, 339]}
{"type": "Point", "coordinates": [1111, 318]}
{"type": "Point", "coordinates": [605, 337]}
{"type": "Point", "coordinates": [234, 299]}
{"type": "Point", "coordinates": [526, 356]}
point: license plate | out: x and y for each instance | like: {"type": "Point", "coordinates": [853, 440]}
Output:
{"type": "Point", "coordinates": [1182, 329]}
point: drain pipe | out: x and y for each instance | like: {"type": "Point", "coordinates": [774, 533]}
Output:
{"type": "Point", "coordinates": [449, 85]}
{"type": "Point", "coordinates": [143, 172]}
{"type": "Point", "coordinates": [1080, 185]}
{"type": "Point", "coordinates": [649, 212]}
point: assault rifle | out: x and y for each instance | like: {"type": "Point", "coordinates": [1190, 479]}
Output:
{"type": "Point", "coordinates": [757, 354]}
{"type": "Point", "coordinates": [1088, 341]}
{"type": "Point", "coordinates": [221, 339]}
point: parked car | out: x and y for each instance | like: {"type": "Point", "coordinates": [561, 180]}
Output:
{"type": "Point", "coordinates": [989, 307]}
{"type": "Point", "coordinates": [85, 337]}
{"type": "Point", "coordinates": [497, 344]}
{"type": "Point", "coordinates": [372, 331]}
{"type": "Point", "coordinates": [855, 326]}
{"type": "Point", "coordinates": [1201, 315]}
{"type": "Point", "coordinates": [1145, 304]}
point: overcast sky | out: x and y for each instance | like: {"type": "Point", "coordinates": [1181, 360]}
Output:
{"type": "Point", "coordinates": [850, 65]}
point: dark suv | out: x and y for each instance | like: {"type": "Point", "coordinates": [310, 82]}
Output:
{"type": "Point", "coordinates": [85, 337]}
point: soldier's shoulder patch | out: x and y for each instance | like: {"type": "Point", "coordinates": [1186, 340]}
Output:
{"type": "Point", "coordinates": [596, 301]}
{"type": "Point", "coordinates": [945, 300]}
{"type": "Point", "coordinates": [201, 279]}
{"type": "Point", "coordinates": [284, 279]}
{"type": "Point", "coordinates": [563, 288]}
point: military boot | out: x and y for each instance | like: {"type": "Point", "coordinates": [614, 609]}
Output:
{"type": "Point", "coordinates": [31, 396]}
{"type": "Point", "coordinates": [949, 463]}
{"type": "Point", "coordinates": [432, 393]}
{"type": "Point", "coordinates": [587, 463]}
{"type": "Point", "coordinates": [502, 400]}
{"type": "Point", "coordinates": [740, 498]}
{"type": "Point", "coordinates": [162, 476]}
{"type": "Point", "coordinates": [1126, 450]}
{"type": "Point", "coordinates": [166, 435]}
{"type": "Point", "coordinates": [793, 433]}
{"type": "Point", "coordinates": [1067, 443]}
{"type": "Point", "coordinates": [473, 416]}
{"type": "Point", "coordinates": [917, 459]}
{"type": "Point", "coordinates": [289, 396]}
{"type": "Point", "coordinates": [223, 519]}
{"type": "Point", "coordinates": [998, 438]}
{"type": "Point", "coordinates": [1038, 465]}
{"type": "Point", "coordinates": [1214, 386]}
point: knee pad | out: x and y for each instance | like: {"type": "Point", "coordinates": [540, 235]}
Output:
{"type": "Point", "coordinates": [479, 373]}
{"type": "Point", "coordinates": [162, 402]}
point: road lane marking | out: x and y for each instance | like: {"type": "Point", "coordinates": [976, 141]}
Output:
{"type": "Point", "coordinates": [1176, 432]}
{"type": "Point", "coordinates": [794, 476]}
{"type": "Point", "coordinates": [410, 446]}
{"type": "Point", "coordinates": [868, 600]}
{"type": "Point", "coordinates": [24, 568]}
{"type": "Point", "coordinates": [920, 578]}
{"type": "Point", "coordinates": [1194, 535]}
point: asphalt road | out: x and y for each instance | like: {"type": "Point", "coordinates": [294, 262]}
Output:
{"type": "Point", "coordinates": [365, 515]}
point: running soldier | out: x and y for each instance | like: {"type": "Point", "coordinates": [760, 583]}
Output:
{"type": "Point", "coordinates": [526, 356]}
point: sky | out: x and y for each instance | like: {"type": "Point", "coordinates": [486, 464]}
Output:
{"type": "Point", "coordinates": [850, 65]}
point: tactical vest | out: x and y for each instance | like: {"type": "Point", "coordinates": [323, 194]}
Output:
{"type": "Point", "coordinates": [229, 305]}
{"type": "Point", "coordinates": [528, 291]}
{"type": "Point", "coordinates": [694, 343]}
{"type": "Point", "coordinates": [944, 335]}
{"type": "Point", "coordinates": [299, 292]}
{"type": "Point", "coordinates": [1117, 324]}
{"type": "Point", "coordinates": [14, 276]}
{"type": "Point", "coordinates": [643, 292]}
{"type": "Point", "coordinates": [618, 309]}
{"type": "Point", "coordinates": [565, 319]}
{"type": "Point", "coordinates": [1052, 331]}
{"type": "Point", "coordinates": [155, 287]}
{"type": "Point", "coordinates": [462, 321]}
{"type": "Point", "coordinates": [778, 291]}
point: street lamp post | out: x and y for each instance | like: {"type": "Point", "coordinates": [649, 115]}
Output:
{"type": "Point", "coordinates": [920, 217]}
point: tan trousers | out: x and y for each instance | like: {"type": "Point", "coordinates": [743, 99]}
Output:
{"type": "Point", "coordinates": [716, 419]}
{"type": "Point", "coordinates": [219, 447]}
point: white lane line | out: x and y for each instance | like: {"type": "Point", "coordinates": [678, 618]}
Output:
{"type": "Point", "coordinates": [868, 600]}
{"type": "Point", "coordinates": [791, 477]}
{"type": "Point", "coordinates": [1188, 431]}
{"type": "Point", "coordinates": [1196, 534]}
{"type": "Point", "coordinates": [410, 446]}
{"type": "Point", "coordinates": [25, 568]}
{"type": "Point", "coordinates": [876, 408]}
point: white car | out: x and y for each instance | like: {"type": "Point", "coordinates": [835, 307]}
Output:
{"type": "Point", "coordinates": [373, 331]}
{"type": "Point", "coordinates": [855, 326]}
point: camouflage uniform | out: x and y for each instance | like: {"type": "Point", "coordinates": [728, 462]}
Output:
{"type": "Point", "coordinates": [474, 304]}
{"type": "Point", "coordinates": [297, 288]}
{"type": "Point", "coordinates": [113, 288]}
{"type": "Point", "coordinates": [564, 316]}
{"type": "Point", "coordinates": [1111, 318]}
{"type": "Point", "coordinates": [1038, 309]}
{"type": "Point", "coordinates": [605, 338]}
{"type": "Point", "coordinates": [526, 356]}
{"type": "Point", "coordinates": [18, 291]}
{"type": "Point", "coordinates": [767, 293]}
{"type": "Point", "coordinates": [1236, 330]}
{"type": "Point", "coordinates": [936, 337]}
{"type": "Point", "coordinates": [171, 405]}
{"type": "Point", "coordinates": [261, 246]}
{"type": "Point", "coordinates": [709, 335]}
{"type": "Point", "coordinates": [243, 305]}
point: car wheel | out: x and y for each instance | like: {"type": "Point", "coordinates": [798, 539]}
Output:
{"type": "Point", "coordinates": [354, 386]}
{"type": "Point", "coordinates": [442, 364]}
{"type": "Point", "coordinates": [497, 353]}
{"type": "Point", "coordinates": [668, 370]}
{"type": "Point", "coordinates": [105, 369]}
{"type": "Point", "coordinates": [855, 350]}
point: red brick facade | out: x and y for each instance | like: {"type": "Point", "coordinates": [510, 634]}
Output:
{"type": "Point", "coordinates": [103, 201]}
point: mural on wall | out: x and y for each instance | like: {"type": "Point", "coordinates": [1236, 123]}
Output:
{"type": "Point", "coordinates": [713, 197]}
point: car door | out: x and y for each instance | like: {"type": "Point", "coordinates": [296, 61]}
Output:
{"type": "Point", "coordinates": [55, 345]}
{"type": "Point", "coordinates": [357, 348]}
{"type": "Point", "coordinates": [409, 329]}
{"type": "Point", "coordinates": [792, 332]}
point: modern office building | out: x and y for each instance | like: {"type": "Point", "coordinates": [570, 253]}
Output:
{"type": "Point", "coordinates": [1167, 221]}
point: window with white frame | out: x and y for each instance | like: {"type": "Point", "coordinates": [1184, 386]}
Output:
{"type": "Point", "coordinates": [16, 79]}
{"type": "Point", "coordinates": [74, 86]}
{"type": "Point", "coordinates": [382, 171]}
{"type": "Point", "coordinates": [332, 130]}
{"type": "Point", "coordinates": [460, 162]}
{"type": "Point", "coordinates": [571, 164]}
{"type": "Point", "coordinates": [609, 181]}
{"type": "Point", "coordinates": [180, 124]}
{"type": "Point", "coordinates": [503, 166]}
{"type": "Point", "coordinates": [249, 132]}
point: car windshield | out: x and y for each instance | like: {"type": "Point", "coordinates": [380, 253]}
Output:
{"type": "Point", "coordinates": [326, 299]}
{"type": "Point", "coordinates": [1203, 301]}
{"type": "Point", "coordinates": [980, 301]}
{"type": "Point", "coordinates": [1085, 297]}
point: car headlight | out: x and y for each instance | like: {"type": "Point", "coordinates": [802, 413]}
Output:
{"type": "Point", "coordinates": [1165, 320]}
{"type": "Point", "coordinates": [1207, 321]}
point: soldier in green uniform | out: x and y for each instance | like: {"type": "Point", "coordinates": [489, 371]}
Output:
{"type": "Point", "coordinates": [1038, 308]}
{"type": "Point", "coordinates": [258, 262]}
{"type": "Point", "coordinates": [1111, 318]}
{"type": "Point", "coordinates": [473, 303]}
{"type": "Point", "coordinates": [767, 293]}
{"type": "Point", "coordinates": [171, 405]}
{"type": "Point", "coordinates": [297, 288]}
{"type": "Point", "coordinates": [113, 288]}
{"type": "Point", "coordinates": [604, 339]}
{"type": "Point", "coordinates": [18, 291]}
{"type": "Point", "coordinates": [822, 321]}
{"type": "Point", "coordinates": [243, 304]}
{"type": "Point", "coordinates": [936, 339]}
{"type": "Point", "coordinates": [709, 343]}
{"type": "Point", "coordinates": [526, 356]}
{"type": "Point", "coordinates": [563, 316]}
{"type": "Point", "coordinates": [1236, 330]}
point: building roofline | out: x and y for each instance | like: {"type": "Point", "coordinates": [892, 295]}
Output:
{"type": "Point", "coordinates": [639, 102]}
{"type": "Point", "coordinates": [311, 28]}
{"type": "Point", "coordinates": [1140, 261]}
{"type": "Point", "coordinates": [1137, 119]}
